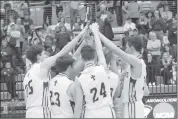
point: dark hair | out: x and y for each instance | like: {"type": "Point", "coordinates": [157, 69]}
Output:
{"type": "Point", "coordinates": [62, 63]}
{"type": "Point", "coordinates": [45, 24]}
{"type": "Point", "coordinates": [136, 42]}
{"type": "Point", "coordinates": [36, 32]}
{"type": "Point", "coordinates": [33, 51]}
{"type": "Point", "coordinates": [151, 13]}
{"type": "Point", "coordinates": [88, 53]}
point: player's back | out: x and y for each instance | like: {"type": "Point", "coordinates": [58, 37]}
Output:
{"type": "Point", "coordinates": [96, 89]}
{"type": "Point", "coordinates": [36, 90]}
{"type": "Point", "coordinates": [60, 102]}
{"type": "Point", "coordinates": [113, 80]}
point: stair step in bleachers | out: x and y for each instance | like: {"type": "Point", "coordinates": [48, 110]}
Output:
{"type": "Point", "coordinates": [6, 96]}
{"type": "Point", "coordinates": [19, 87]}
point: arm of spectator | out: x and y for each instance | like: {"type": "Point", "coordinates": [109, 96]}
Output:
{"type": "Point", "coordinates": [157, 45]}
{"type": "Point", "coordinates": [149, 46]}
{"type": "Point", "coordinates": [124, 8]}
{"type": "Point", "coordinates": [164, 25]}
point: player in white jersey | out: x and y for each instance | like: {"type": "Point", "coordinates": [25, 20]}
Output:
{"type": "Point", "coordinates": [92, 86]}
{"type": "Point", "coordinates": [133, 106]}
{"type": "Point", "coordinates": [37, 78]}
{"type": "Point", "coordinates": [62, 98]}
{"type": "Point", "coordinates": [114, 80]}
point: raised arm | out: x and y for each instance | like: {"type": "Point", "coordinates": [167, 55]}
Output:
{"type": "Point", "coordinates": [113, 64]}
{"type": "Point", "coordinates": [49, 62]}
{"type": "Point", "coordinates": [99, 51]}
{"type": "Point", "coordinates": [132, 60]}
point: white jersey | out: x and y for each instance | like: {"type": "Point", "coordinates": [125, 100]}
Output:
{"type": "Point", "coordinates": [61, 103]}
{"type": "Point", "coordinates": [113, 80]}
{"type": "Point", "coordinates": [96, 88]}
{"type": "Point", "coordinates": [36, 88]}
{"type": "Point", "coordinates": [133, 89]}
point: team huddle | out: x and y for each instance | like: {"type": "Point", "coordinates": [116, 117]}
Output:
{"type": "Point", "coordinates": [88, 83]}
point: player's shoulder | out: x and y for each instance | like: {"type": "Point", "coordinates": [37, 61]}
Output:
{"type": "Point", "coordinates": [99, 68]}
{"type": "Point", "coordinates": [114, 75]}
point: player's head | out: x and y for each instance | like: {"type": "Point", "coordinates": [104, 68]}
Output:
{"type": "Point", "coordinates": [36, 53]}
{"type": "Point", "coordinates": [134, 44]}
{"type": "Point", "coordinates": [64, 64]}
{"type": "Point", "coordinates": [108, 55]}
{"type": "Point", "coordinates": [88, 53]}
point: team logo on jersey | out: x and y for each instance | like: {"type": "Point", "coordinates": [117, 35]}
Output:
{"type": "Point", "coordinates": [147, 110]}
{"type": "Point", "coordinates": [163, 110]}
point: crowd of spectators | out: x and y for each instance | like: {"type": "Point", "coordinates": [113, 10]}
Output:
{"type": "Point", "coordinates": [158, 31]}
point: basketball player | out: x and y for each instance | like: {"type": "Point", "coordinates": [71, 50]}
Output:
{"type": "Point", "coordinates": [62, 88]}
{"type": "Point", "coordinates": [62, 98]}
{"type": "Point", "coordinates": [92, 85]}
{"type": "Point", "coordinates": [37, 78]}
{"type": "Point", "coordinates": [113, 77]}
{"type": "Point", "coordinates": [133, 87]}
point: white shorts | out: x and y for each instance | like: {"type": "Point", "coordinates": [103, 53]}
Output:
{"type": "Point", "coordinates": [105, 112]}
{"type": "Point", "coordinates": [60, 116]}
{"type": "Point", "coordinates": [133, 110]}
{"type": "Point", "coordinates": [38, 112]}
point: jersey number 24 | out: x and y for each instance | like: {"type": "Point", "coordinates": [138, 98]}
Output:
{"type": "Point", "coordinates": [102, 92]}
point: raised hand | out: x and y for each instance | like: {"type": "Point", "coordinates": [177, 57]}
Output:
{"type": "Point", "coordinates": [94, 27]}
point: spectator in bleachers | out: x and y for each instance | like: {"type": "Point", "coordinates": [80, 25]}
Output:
{"type": "Point", "coordinates": [149, 16]}
{"type": "Point", "coordinates": [167, 12]}
{"type": "Point", "coordinates": [154, 48]}
{"type": "Point", "coordinates": [132, 9]}
{"type": "Point", "coordinates": [23, 9]}
{"type": "Point", "coordinates": [78, 25]}
{"type": "Point", "coordinates": [158, 25]}
{"type": "Point", "coordinates": [150, 63]}
{"type": "Point", "coordinates": [35, 38]}
{"type": "Point", "coordinates": [47, 12]}
{"type": "Point", "coordinates": [166, 72]}
{"type": "Point", "coordinates": [27, 22]}
{"type": "Point", "coordinates": [172, 37]}
{"type": "Point", "coordinates": [59, 7]}
{"type": "Point", "coordinates": [62, 38]}
{"type": "Point", "coordinates": [19, 27]}
{"type": "Point", "coordinates": [6, 53]}
{"type": "Point", "coordinates": [64, 23]}
{"type": "Point", "coordinates": [142, 24]}
{"type": "Point", "coordinates": [129, 25]}
{"type": "Point", "coordinates": [104, 19]}
{"type": "Point", "coordinates": [3, 32]}
{"type": "Point", "coordinates": [9, 12]}
{"type": "Point", "coordinates": [9, 77]}
{"type": "Point", "coordinates": [74, 11]}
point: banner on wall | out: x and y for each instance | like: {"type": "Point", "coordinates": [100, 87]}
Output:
{"type": "Point", "coordinates": [161, 107]}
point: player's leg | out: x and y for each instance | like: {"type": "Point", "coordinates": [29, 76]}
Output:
{"type": "Point", "coordinates": [126, 111]}
{"type": "Point", "coordinates": [139, 109]}
{"type": "Point", "coordinates": [105, 112]}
